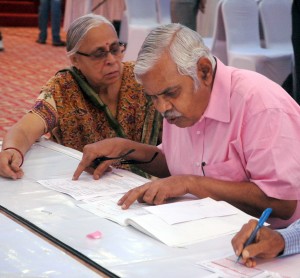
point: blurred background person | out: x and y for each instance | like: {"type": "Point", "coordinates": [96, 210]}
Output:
{"type": "Point", "coordinates": [52, 9]}
{"type": "Point", "coordinates": [111, 9]}
{"type": "Point", "coordinates": [185, 12]}
{"type": "Point", "coordinates": [1, 42]}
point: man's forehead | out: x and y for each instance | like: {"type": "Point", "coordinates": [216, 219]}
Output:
{"type": "Point", "coordinates": [156, 88]}
{"type": "Point", "coordinates": [159, 73]}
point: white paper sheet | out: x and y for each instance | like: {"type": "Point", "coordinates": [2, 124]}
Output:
{"type": "Point", "coordinates": [180, 234]}
{"type": "Point", "coordinates": [191, 210]}
{"type": "Point", "coordinates": [107, 207]}
{"type": "Point", "coordinates": [228, 268]}
{"type": "Point", "coordinates": [117, 181]}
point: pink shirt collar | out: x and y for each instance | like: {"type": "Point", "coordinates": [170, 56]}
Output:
{"type": "Point", "coordinates": [220, 95]}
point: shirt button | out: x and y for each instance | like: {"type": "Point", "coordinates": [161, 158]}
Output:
{"type": "Point", "coordinates": [198, 132]}
{"type": "Point", "coordinates": [197, 164]}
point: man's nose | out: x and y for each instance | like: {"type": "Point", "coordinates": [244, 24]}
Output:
{"type": "Point", "coordinates": [162, 105]}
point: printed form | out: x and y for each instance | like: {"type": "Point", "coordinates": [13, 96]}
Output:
{"type": "Point", "coordinates": [228, 268]}
{"type": "Point", "coordinates": [117, 181]}
{"type": "Point", "coordinates": [175, 224]}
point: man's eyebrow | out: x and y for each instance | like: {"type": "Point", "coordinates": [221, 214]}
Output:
{"type": "Point", "coordinates": [165, 91]}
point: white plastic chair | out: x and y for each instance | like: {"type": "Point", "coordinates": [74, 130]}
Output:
{"type": "Point", "coordinates": [241, 21]}
{"type": "Point", "coordinates": [164, 11]}
{"type": "Point", "coordinates": [215, 39]}
{"type": "Point", "coordinates": [139, 19]}
{"type": "Point", "coordinates": [206, 20]}
{"type": "Point", "coordinates": [218, 44]}
{"type": "Point", "coordinates": [276, 22]}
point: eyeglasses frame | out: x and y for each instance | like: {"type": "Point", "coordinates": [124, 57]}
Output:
{"type": "Point", "coordinates": [91, 55]}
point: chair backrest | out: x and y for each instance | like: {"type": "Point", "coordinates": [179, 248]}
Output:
{"type": "Point", "coordinates": [276, 22]}
{"type": "Point", "coordinates": [123, 36]}
{"type": "Point", "coordinates": [164, 11]}
{"type": "Point", "coordinates": [206, 20]}
{"type": "Point", "coordinates": [218, 46]}
{"type": "Point", "coordinates": [241, 21]}
{"type": "Point", "coordinates": [219, 29]}
{"type": "Point", "coordinates": [141, 12]}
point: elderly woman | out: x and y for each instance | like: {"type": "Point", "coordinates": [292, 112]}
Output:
{"type": "Point", "coordinates": [96, 98]}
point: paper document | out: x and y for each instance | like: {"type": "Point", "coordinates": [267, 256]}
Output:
{"type": "Point", "coordinates": [191, 210]}
{"type": "Point", "coordinates": [175, 224]}
{"type": "Point", "coordinates": [172, 213]}
{"type": "Point", "coordinates": [180, 234]}
{"type": "Point", "coordinates": [117, 181]}
{"type": "Point", "coordinates": [107, 208]}
{"type": "Point", "coordinates": [227, 268]}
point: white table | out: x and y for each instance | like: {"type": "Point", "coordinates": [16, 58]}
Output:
{"type": "Point", "coordinates": [21, 249]}
{"type": "Point", "coordinates": [123, 251]}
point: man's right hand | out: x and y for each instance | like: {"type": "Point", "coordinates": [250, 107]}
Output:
{"type": "Point", "coordinates": [112, 147]}
{"type": "Point", "coordinates": [268, 243]}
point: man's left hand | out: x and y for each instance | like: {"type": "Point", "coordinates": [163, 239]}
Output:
{"type": "Point", "coordinates": [156, 192]}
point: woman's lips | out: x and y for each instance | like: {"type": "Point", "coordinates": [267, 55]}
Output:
{"type": "Point", "coordinates": [112, 74]}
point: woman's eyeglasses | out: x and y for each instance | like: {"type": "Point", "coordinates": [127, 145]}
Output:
{"type": "Point", "coordinates": [115, 49]}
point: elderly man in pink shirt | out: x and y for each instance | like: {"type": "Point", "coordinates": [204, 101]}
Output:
{"type": "Point", "coordinates": [229, 134]}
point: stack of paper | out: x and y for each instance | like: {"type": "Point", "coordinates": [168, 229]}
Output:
{"type": "Point", "coordinates": [175, 224]}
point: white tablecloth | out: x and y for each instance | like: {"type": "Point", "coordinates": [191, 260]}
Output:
{"type": "Point", "coordinates": [122, 250]}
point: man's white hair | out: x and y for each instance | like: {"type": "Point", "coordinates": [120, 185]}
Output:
{"type": "Point", "coordinates": [184, 45]}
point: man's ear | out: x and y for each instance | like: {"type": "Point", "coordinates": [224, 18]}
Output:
{"type": "Point", "coordinates": [205, 72]}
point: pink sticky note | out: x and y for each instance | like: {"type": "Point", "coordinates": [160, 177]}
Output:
{"type": "Point", "coordinates": [94, 235]}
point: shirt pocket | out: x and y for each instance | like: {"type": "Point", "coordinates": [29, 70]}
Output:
{"type": "Point", "coordinates": [230, 170]}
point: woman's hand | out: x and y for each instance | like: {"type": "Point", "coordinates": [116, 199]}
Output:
{"type": "Point", "coordinates": [10, 161]}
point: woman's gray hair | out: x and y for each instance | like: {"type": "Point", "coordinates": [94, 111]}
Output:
{"type": "Point", "coordinates": [78, 29]}
{"type": "Point", "coordinates": [184, 45]}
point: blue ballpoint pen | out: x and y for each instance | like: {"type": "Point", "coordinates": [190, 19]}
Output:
{"type": "Point", "coordinates": [265, 215]}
